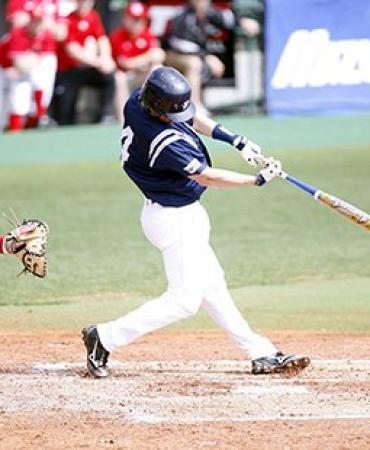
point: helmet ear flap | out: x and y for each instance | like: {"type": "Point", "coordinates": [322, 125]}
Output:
{"type": "Point", "coordinates": [151, 101]}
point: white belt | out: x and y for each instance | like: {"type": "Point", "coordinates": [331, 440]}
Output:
{"type": "Point", "coordinates": [148, 202]}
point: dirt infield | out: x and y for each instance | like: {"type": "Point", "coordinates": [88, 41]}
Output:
{"type": "Point", "coordinates": [185, 391]}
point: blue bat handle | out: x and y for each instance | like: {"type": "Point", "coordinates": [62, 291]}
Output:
{"type": "Point", "coordinates": [304, 186]}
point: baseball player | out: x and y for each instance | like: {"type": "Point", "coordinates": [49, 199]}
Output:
{"type": "Point", "coordinates": [28, 64]}
{"type": "Point", "coordinates": [136, 52]}
{"type": "Point", "coordinates": [164, 156]}
{"type": "Point", "coordinates": [84, 58]}
{"type": "Point", "coordinates": [18, 13]}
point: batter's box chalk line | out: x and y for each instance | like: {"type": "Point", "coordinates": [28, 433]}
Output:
{"type": "Point", "coordinates": [152, 419]}
{"type": "Point", "coordinates": [320, 371]}
{"type": "Point", "coordinates": [154, 366]}
{"type": "Point", "coordinates": [208, 366]}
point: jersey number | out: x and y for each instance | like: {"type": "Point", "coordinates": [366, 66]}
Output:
{"type": "Point", "coordinates": [126, 140]}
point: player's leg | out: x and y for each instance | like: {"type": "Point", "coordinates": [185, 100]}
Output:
{"type": "Point", "coordinates": [191, 67]}
{"type": "Point", "coordinates": [221, 307]}
{"type": "Point", "coordinates": [4, 102]}
{"type": "Point", "coordinates": [181, 234]}
{"type": "Point", "coordinates": [19, 97]}
{"type": "Point", "coordinates": [215, 65]}
{"type": "Point", "coordinates": [67, 87]}
{"type": "Point", "coordinates": [181, 247]}
{"type": "Point", "coordinates": [2, 98]}
{"type": "Point", "coordinates": [121, 93]}
{"type": "Point", "coordinates": [105, 82]}
{"type": "Point", "coordinates": [43, 78]}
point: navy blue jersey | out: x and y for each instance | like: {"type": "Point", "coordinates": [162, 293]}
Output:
{"type": "Point", "coordinates": [159, 157]}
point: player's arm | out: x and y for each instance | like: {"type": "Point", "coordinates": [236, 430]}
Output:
{"type": "Point", "coordinates": [135, 62]}
{"type": "Point", "coordinates": [104, 47]}
{"type": "Point", "coordinates": [16, 239]}
{"type": "Point", "coordinates": [174, 153]}
{"type": "Point", "coordinates": [152, 56]}
{"type": "Point", "coordinates": [212, 177]}
{"type": "Point", "coordinates": [250, 26]}
{"type": "Point", "coordinates": [59, 30]}
{"type": "Point", "coordinates": [8, 246]}
{"type": "Point", "coordinates": [107, 63]}
{"type": "Point", "coordinates": [228, 20]}
{"type": "Point", "coordinates": [3, 246]}
{"type": "Point", "coordinates": [249, 151]}
{"type": "Point", "coordinates": [82, 54]}
{"type": "Point", "coordinates": [26, 61]}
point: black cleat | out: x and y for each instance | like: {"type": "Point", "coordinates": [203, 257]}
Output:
{"type": "Point", "coordinates": [280, 363]}
{"type": "Point", "coordinates": [97, 356]}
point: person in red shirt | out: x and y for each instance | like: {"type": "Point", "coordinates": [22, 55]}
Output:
{"type": "Point", "coordinates": [3, 59]}
{"type": "Point", "coordinates": [135, 51]}
{"type": "Point", "coordinates": [28, 61]}
{"type": "Point", "coordinates": [18, 13]}
{"type": "Point", "coordinates": [84, 59]}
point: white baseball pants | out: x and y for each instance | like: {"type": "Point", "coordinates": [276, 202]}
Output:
{"type": "Point", "coordinates": [42, 78]}
{"type": "Point", "coordinates": [195, 279]}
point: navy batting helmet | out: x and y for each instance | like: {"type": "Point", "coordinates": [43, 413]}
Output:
{"type": "Point", "coordinates": [167, 93]}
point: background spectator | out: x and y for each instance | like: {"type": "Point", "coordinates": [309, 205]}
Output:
{"type": "Point", "coordinates": [135, 51]}
{"type": "Point", "coordinates": [18, 14]}
{"type": "Point", "coordinates": [28, 61]}
{"type": "Point", "coordinates": [186, 42]}
{"type": "Point", "coordinates": [84, 60]}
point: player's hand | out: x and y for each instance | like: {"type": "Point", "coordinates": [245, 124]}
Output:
{"type": "Point", "coordinates": [106, 65]}
{"type": "Point", "coordinates": [271, 170]}
{"type": "Point", "coordinates": [28, 242]}
{"type": "Point", "coordinates": [250, 26]}
{"type": "Point", "coordinates": [16, 240]}
{"type": "Point", "coordinates": [251, 152]}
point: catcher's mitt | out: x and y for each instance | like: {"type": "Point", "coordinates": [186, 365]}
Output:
{"type": "Point", "coordinates": [28, 242]}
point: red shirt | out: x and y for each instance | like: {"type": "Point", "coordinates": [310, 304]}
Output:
{"type": "Point", "coordinates": [127, 46]}
{"type": "Point", "coordinates": [79, 28]}
{"type": "Point", "coordinates": [50, 7]}
{"type": "Point", "coordinates": [19, 41]}
{"type": "Point", "coordinates": [4, 59]}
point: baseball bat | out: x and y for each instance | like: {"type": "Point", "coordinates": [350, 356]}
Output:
{"type": "Point", "coordinates": [338, 205]}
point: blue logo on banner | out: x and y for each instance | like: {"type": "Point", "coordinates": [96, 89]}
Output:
{"type": "Point", "coordinates": [317, 55]}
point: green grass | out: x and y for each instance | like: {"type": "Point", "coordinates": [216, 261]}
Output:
{"type": "Point", "coordinates": [291, 263]}
{"type": "Point", "coordinates": [100, 143]}
{"type": "Point", "coordinates": [334, 306]}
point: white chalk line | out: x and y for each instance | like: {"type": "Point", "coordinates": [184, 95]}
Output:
{"type": "Point", "coordinates": [228, 367]}
{"type": "Point", "coordinates": [232, 371]}
{"type": "Point", "coordinates": [152, 419]}
{"type": "Point", "coordinates": [224, 365]}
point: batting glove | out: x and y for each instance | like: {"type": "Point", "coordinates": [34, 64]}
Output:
{"type": "Point", "coordinates": [271, 170]}
{"type": "Point", "coordinates": [251, 152]}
